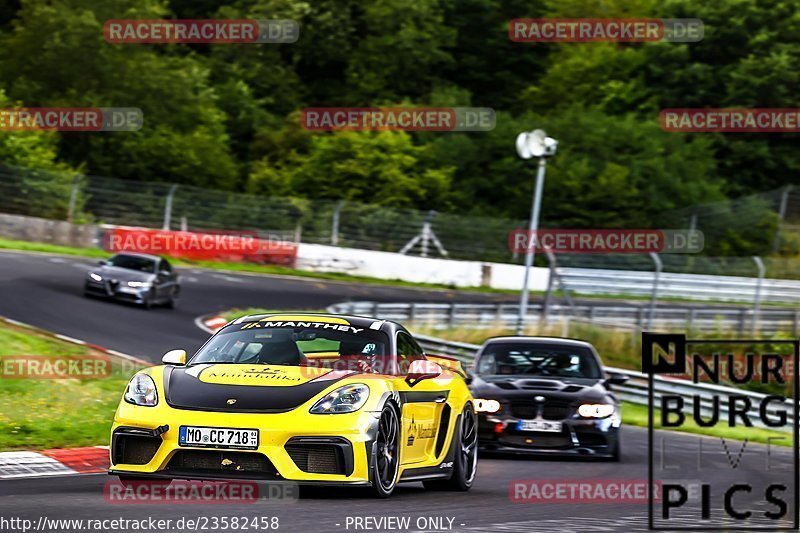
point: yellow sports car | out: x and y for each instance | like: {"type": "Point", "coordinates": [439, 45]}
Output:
{"type": "Point", "coordinates": [313, 399]}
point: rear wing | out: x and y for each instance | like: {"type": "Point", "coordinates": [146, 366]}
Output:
{"type": "Point", "coordinates": [448, 363]}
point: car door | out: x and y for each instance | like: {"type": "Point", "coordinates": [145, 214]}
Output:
{"type": "Point", "coordinates": [423, 403]}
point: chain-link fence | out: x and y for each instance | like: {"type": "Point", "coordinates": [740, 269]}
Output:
{"type": "Point", "coordinates": [763, 222]}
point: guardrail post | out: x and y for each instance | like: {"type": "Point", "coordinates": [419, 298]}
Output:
{"type": "Point", "coordinates": [168, 207]}
{"type": "Point", "coordinates": [412, 312]}
{"type": "Point", "coordinates": [796, 325]}
{"type": "Point", "coordinates": [692, 318]}
{"type": "Point", "coordinates": [452, 319]}
{"type": "Point", "coordinates": [742, 320]}
{"type": "Point", "coordinates": [757, 298]}
{"type": "Point", "coordinates": [653, 298]}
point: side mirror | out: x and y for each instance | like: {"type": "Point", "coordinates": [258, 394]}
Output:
{"type": "Point", "coordinates": [469, 378]}
{"type": "Point", "coordinates": [163, 274]}
{"type": "Point", "coordinates": [422, 369]}
{"type": "Point", "coordinates": [174, 357]}
{"type": "Point", "coordinates": [615, 378]}
{"type": "Point", "coordinates": [102, 262]}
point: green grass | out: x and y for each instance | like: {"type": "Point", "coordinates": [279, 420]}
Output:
{"type": "Point", "coordinates": [236, 313]}
{"type": "Point", "coordinates": [636, 415]}
{"type": "Point", "coordinates": [25, 246]}
{"type": "Point", "coordinates": [55, 413]}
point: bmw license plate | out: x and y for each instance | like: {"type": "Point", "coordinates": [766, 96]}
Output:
{"type": "Point", "coordinates": [539, 425]}
{"type": "Point", "coordinates": [245, 439]}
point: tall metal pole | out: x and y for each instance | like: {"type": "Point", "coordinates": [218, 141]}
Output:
{"type": "Point", "coordinates": [168, 208]}
{"type": "Point", "coordinates": [654, 295]}
{"type": "Point", "coordinates": [73, 198]}
{"type": "Point", "coordinates": [776, 244]}
{"type": "Point", "coordinates": [532, 239]}
{"type": "Point", "coordinates": [335, 229]}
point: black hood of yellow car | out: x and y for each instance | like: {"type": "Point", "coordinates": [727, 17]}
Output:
{"type": "Point", "coordinates": [257, 389]}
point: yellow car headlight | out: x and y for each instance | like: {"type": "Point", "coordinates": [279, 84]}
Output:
{"type": "Point", "coordinates": [142, 391]}
{"type": "Point", "coordinates": [345, 399]}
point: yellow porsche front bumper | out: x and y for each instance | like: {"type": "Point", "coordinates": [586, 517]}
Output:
{"type": "Point", "coordinates": [293, 446]}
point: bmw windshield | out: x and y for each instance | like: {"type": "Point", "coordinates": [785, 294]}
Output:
{"type": "Point", "coordinates": [544, 360]}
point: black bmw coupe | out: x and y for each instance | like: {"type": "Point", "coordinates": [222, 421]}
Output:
{"type": "Point", "coordinates": [546, 395]}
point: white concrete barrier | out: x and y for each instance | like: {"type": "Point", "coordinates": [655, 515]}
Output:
{"type": "Point", "coordinates": [394, 266]}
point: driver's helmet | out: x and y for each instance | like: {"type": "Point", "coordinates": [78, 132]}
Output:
{"type": "Point", "coordinates": [561, 360]}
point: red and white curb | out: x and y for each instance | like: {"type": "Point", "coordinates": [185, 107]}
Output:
{"type": "Point", "coordinates": [67, 461]}
{"type": "Point", "coordinates": [58, 462]}
{"type": "Point", "coordinates": [210, 323]}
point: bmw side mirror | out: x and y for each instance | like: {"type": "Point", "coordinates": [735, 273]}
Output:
{"type": "Point", "coordinates": [615, 378]}
{"type": "Point", "coordinates": [422, 369]}
{"type": "Point", "coordinates": [174, 357]}
{"type": "Point", "coordinates": [102, 262]}
{"type": "Point", "coordinates": [469, 377]}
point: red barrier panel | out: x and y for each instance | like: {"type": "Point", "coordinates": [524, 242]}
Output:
{"type": "Point", "coordinates": [226, 247]}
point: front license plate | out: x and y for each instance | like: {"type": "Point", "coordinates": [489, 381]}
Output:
{"type": "Point", "coordinates": [539, 425]}
{"type": "Point", "coordinates": [246, 439]}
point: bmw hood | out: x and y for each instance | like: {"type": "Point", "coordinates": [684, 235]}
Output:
{"type": "Point", "coordinates": [245, 388]}
{"type": "Point", "coordinates": [526, 387]}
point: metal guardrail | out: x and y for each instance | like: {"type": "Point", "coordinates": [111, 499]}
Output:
{"type": "Point", "coordinates": [636, 389]}
{"type": "Point", "coordinates": [630, 317]}
{"type": "Point", "coordinates": [675, 285]}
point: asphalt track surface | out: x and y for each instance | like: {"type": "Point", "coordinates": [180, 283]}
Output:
{"type": "Point", "coordinates": [45, 291]}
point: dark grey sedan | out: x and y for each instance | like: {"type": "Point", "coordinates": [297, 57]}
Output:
{"type": "Point", "coordinates": [142, 279]}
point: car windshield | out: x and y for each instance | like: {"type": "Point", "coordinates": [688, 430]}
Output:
{"type": "Point", "coordinates": [310, 344]}
{"type": "Point", "coordinates": [538, 359]}
{"type": "Point", "coordinates": [133, 262]}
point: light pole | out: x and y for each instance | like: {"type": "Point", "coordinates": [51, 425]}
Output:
{"type": "Point", "coordinates": [533, 144]}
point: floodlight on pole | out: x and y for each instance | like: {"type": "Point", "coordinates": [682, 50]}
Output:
{"type": "Point", "coordinates": [529, 145]}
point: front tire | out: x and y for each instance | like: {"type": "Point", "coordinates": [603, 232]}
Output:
{"type": "Point", "coordinates": [616, 454]}
{"type": "Point", "coordinates": [465, 461]}
{"type": "Point", "coordinates": [386, 453]}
